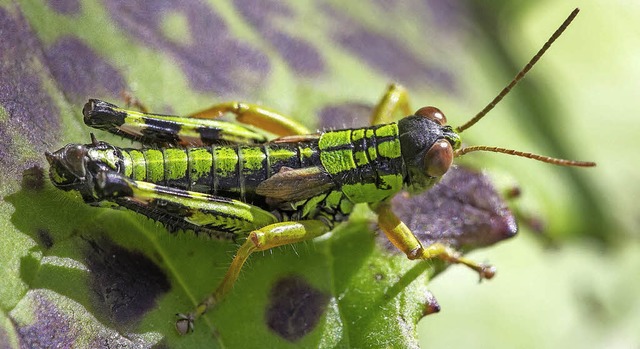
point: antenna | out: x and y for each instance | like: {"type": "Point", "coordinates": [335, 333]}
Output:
{"type": "Point", "coordinates": [505, 91]}
{"type": "Point", "coordinates": [521, 74]}
{"type": "Point", "coordinates": [547, 159]}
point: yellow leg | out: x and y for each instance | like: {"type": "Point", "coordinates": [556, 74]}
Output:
{"type": "Point", "coordinates": [273, 235]}
{"type": "Point", "coordinates": [402, 237]}
{"type": "Point", "coordinates": [257, 116]}
{"type": "Point", "coordinates": [395, 99]}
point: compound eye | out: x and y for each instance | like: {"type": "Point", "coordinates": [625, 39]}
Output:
{"type": "Point", "coordinates": [433, 114]}
{"type": "Point", "coordinates": [439, 158]}
{"type": "Point", "coordinates": [75, 152]}
{"type": "Point", "coordinates": [74, 159]}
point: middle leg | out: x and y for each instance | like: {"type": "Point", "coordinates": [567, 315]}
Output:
{"type": "Point", "coordinates": [257, 116]}
{"type": "Point", "coordinates": [395, 99]}
{"type": "Point", "coordinates": [274, 235]}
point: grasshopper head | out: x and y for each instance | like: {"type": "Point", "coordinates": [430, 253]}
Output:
{"type": "Point", "coordinates": [74, 167]}
{"type": "Point", "coordinates": [67, 166]}
{"type": "Point", "coordinates": [427, 145]}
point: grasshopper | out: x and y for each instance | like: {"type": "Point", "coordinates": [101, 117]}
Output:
{"type": "Point", "coordinates": [228, 181]}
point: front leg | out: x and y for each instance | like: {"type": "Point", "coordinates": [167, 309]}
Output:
{"type": "Point", "coordinates": [402, 237]}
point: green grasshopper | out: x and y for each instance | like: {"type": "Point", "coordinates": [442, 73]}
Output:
{"type": "Point", "coordinates": [225, 180]}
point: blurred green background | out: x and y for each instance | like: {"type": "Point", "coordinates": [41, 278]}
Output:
{"type": "Point", "coordinates": [582, 293]}
{"type": "Point", "coordinates": [575, 286]}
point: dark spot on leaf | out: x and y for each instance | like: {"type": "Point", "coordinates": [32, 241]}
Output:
{"type": "Point", "coordinates": [295, 308]}
{"type": "Point", "coordinates": [45, 238]}
{"type": "Point", "coordinates": [347, 115]}
{"type": "Point", "coordinates": [431, 305]}
{"type": "Point", "coordinates": [33, 178]}
{"type": "Point", "coordinates": [265, 15]}
{"type": "Point", "coordinates": [463, 210]}
{"type": "Point", "coordinates": [126, 283]}
{"type": "Point", "coordinates": [28, 118]}
{"type": "Point", "coordinates": [385, 53]}
{"type": "Point", "coordinates": [79, 71]}
{"type": "Point", "coordinates": [299, 55]}
{"type": "Point", "coordinates": [211, 58]}
{"type": "Point", "coordinates": [50, 329]}
{"type": "Point", "coordinates": [65, 7]}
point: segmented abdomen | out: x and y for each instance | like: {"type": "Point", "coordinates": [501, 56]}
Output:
{"type": "Point", "coordinates": [229, 170]}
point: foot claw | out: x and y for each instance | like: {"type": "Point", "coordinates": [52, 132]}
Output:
{"type": "Point", "coordinates": [486, 271]}
{"type": "Point", "coordinates": [184, 324]}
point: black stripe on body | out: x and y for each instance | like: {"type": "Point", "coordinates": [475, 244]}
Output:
{"type": "Point", "coordinates": [372, 169]}
{"type": "Point", "coordinates": [159, 131]}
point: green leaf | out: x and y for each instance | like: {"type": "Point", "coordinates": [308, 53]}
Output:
{"type": "Point", "coordinates": [76, 275]}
